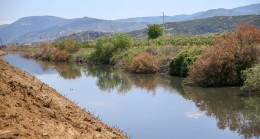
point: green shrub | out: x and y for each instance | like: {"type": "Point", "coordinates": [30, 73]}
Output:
{"type": "Point", "coordinates": [103, 50]}
{"type": "Point", "coordinates": [154, 31]}
{"type": "Point", "coordinates": [106, 46]}
{"type": "Point", "coordinates": [122, 41]}
{"type": "Point", "coordinates": [106, 53]}
{"type": "Point", "coordinates": [83, 55]}
{"type": "Point", "coordinates": [180, 64]}
{"type": "Point", "coordinates": [87, 44]}
{"type": "Point", "coordinates": [177, 40]}
{"type": "Point", "coordinates": [251, 78]}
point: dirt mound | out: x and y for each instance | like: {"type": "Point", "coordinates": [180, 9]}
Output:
{"type": "Point", "coordinates": [2, 53]}
{"type": "Point", "coordinates": [31, 109]}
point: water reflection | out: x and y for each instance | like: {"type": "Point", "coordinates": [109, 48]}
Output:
{"type": "Point", "coordinates": [108, 79]}
{"type": "Point", "coordinates": [230, 110]}
{"type": "Point", "coordinates": [68, 71]}
{"type": "Point", "coordinates": [240, 114]}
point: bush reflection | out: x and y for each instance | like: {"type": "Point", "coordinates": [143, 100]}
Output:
{"type": "Point", "coordinates": [238, 113]}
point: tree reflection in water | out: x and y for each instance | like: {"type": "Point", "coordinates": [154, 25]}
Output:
{"type": "Point", "coordinates": [66, 70]}
{"type": "Point", "coordinates": [240, 114]}
{"type": "Point", "coordinates": [108, 78]}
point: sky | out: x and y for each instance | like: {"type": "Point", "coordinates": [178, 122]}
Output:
{"type": "Point", "coordinates": [12, 10]}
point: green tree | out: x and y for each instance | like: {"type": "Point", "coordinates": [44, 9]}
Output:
{"type": "Point", "coordinates": [154, 31]}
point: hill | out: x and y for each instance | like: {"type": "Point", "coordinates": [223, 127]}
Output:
{"type": "Point", "coordinates": [12, 32]}
{"type": "Point", "coordinates": [86, 35]}
{"type": "Point", "coordinates": [253, 9]}
{"type": "Point", "coordinates": [46, 28]}
{"type": "Point", "coordinates": [3, 26]}
{"type": "Point", "coordinates": [41, 28]}
{"type": "Point", "coordinates": [218, 24]}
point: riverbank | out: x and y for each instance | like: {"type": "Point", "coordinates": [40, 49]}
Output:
{"type": "Point", "coordinates": [32, 109]}
{"type": "Point", "coordinates": [205, 60]}
{"type": "Point", "coordinates": [2, 53]}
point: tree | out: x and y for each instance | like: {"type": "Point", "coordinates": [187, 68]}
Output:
{"type": "Point", "coordinates": [154, 31]}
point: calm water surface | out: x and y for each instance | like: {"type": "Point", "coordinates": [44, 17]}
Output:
{"type": "Point", "coordinates": [150, 106]}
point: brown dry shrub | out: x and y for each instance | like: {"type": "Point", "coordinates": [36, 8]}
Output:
{"type": "Point", "coordinates": [222, 64]}
{"type": "Point", "coordinates": [143, 63]}
{"type": "Point", "coordinates": [60, 55]}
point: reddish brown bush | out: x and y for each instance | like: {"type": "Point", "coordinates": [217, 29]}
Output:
{"type": "Point", "coordinates": [247, 53]}
{"type": "Point", "coordinates": [60, 55]}
{"type": "Point", "coordinates": [143, 63]}
{"type": "Point", "coordinates": [222, 64]}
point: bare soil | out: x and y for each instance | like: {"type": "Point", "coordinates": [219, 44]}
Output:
{"type": "Point", "coordinates": [32, 109]}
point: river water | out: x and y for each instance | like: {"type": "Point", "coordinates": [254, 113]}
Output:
{"type": "Point", "coordinates": [150, 106]}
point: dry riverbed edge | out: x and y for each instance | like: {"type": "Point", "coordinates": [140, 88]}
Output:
{"type": "Point", "coordinates": [31, 109]}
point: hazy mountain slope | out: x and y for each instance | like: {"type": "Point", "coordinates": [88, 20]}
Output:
{"type": "Point", "coordinates": [40, 28]}
{"type": "Point", "coordinates": [29, 24]}
{"type": "Point", "coordinates": [102, 25]}
{"type": "Point", "coordinates": [86, 35]}
{"type": "Point", "coordinates": [2, 26]}
{"type": "Point", "coordinates": [250, 9]}
{"type": "Point", "coordinates": [245, 10]}
{"type": "Point", "coordinates": [217, 24]}
{"type": "Point", "coordinates": [34, 29]}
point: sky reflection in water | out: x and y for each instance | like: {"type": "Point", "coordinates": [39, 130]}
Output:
{"type": "Point", "coordinates": [151, 106]}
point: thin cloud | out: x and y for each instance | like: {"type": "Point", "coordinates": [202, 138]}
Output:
{"type": "Point", "coordinates": [194, 115]}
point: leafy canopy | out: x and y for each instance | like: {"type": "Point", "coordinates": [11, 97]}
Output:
{"type": "Point", "coordinates": [154, 31]}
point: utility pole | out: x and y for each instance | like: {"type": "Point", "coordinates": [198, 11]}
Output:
{"type": "Point", "coordinates": [1, 43]}
{"type": "Point", "coordinates": [163, 18]}
{"type": "Point", "coordinates": [163, 23]}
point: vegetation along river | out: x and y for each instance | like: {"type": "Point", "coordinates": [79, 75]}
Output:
{"type": "Point", "coordinates": [150, 106]}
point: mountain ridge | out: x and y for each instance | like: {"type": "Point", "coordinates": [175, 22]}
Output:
{"type": "Point", "coordinates": [243, 10]}
{"type": "Point", "coordinates": [217, 24]}
{"type": "Point", "coordinates": [212, 25]}
{"type": "Point", "coordinates": [46, 28]}
{"type": "Point", "coordinates": [40, 28]}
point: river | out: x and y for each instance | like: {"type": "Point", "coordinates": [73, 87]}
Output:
{"type": "Point", "coordinates": [150, 106]}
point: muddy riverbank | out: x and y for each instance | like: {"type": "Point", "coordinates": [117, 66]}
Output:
{"type": "Point", "coordinates": [31, 109]}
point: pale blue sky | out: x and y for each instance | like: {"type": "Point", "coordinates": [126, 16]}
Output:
{"type": "Point", "coordinates": [12, 10]}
